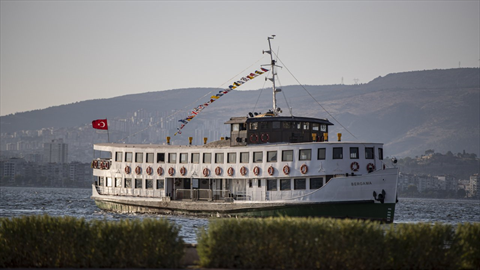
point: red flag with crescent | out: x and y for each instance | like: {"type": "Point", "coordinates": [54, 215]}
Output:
{"type": "Point", "coordinates": [100, 124]}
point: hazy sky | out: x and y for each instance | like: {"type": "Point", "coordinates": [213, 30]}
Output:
{"type": "Point", "coordinates": [59, 52]}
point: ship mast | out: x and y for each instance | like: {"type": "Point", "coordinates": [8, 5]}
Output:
{"type": "Point", "coordinates": [272, 65]}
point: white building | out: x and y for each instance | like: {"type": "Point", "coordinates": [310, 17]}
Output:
{"type": "Point", "coordinates": [55, 152]}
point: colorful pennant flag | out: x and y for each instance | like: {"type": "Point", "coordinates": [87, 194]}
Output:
{"type": "Point", "coordinates": [215, 97]}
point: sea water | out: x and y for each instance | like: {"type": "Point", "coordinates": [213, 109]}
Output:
{"type": "Point", "coordinates": [75, 202]}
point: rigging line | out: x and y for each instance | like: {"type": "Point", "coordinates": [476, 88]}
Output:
{"type": "Point", "coordinates": [178, 111]}
{"type": "Point", "coordinates": [261, 90]}
{"type": "Point", "coordinates": [285, 97]}
{"type": "Point", "coordinates": [315, 99]}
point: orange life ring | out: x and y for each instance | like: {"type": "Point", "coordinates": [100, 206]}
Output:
{"type": "Point", "coordinates": [171, 171]}
{"type": "Point", "coordinates": [149, 170]}
{"type": "Point", "coordinates": [138, 170]}
{"type": "Point", "coordinates": [243, 170]}
{"type": "Point", "coordinates": [271, 170]}
{"type": "Point", "coordinates": [286, 170]}
{"type": "Point", "coordinates": [256, 170]}
{"type": "Point", "coordinates": [265, 137]}
{"type": "Point", "coordinates": [370, 167]}
{"type": "Point", "coordinates": [218, 170]}
{"type": "Point", "coordinates": [183, 171]}
{"type": "Point", "coordinates": [304, 169]}
{"type": "Point", "coordinates": [160, 171]}
{"type": "Point", "coordinates": [354, 166]}
{"type": "Point", "coordinates": [253, 138]}
{"type": "Point", "coordinates": [128, 170]}
{"type": "Point", "coordinates": [206, 172]}
{"type": "Point", "coordinates": [230, 171]}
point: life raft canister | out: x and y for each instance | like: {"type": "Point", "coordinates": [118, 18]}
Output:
{"type": "Point", "coordinates": [354, 166]}
{"type": "Point", "coordinates": [160, 171]}
{"type": "Point", "coordinates": [271, 170]}
{"type": "Point", "coordinates": [304, 169]}
{"type": "Point", "coordinates": [206, 172]}
{"type": "Point", "coordinates": [243, 170]}
{"type": "Point", "coordinates": [286, 170]}
{"type": "Point", "coordinates": [256, 170]}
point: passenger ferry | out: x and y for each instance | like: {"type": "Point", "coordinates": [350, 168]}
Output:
{"type": "Point", "coordinates": [271, 165]}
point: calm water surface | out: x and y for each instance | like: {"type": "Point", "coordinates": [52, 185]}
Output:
{"type": "Point", "coordinates": [16, 202]}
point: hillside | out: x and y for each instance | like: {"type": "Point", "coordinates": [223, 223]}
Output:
{"type": "Point", "coordinates": [409, 111]}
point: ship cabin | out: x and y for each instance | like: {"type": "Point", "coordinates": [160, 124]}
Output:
{"type": "Point", "coordinates": [267, 128]}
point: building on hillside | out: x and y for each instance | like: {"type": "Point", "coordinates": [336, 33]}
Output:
{"type": "Point", "coordinates": [55, 151]}
{"type": "Point", "coordinates": [473, 188]}
{"type": "Point", "coordinates": [80, 172]}
{"type": "Point", "coordinates": [12, 168]}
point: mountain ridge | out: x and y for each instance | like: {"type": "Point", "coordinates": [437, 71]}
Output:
{"type": "Point", "coordinates": [432, 109]}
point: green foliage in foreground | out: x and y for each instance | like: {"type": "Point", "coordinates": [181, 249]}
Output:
{"type": "Point", "coordinates": [295, 243]}
{"type": "Point", "coordinates": [43, 241]}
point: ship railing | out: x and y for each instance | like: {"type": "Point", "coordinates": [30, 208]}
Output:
{"type": "Point", "coordinates": [193, 194]}
{"type": "Point", "coordinates": [204, 194]}
{"type": "Point", "coordinates": [130, 192]}
{"type": "Point", "coordinates": [220, 194]}
{"type": "Point", "coordinates": [243, 196]}
{"type": "Point", "coordinates": [184, 194]}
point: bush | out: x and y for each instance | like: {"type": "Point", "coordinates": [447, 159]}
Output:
{"type": "Point", "coordinates": [300, 243]}
{"type": "Point", "coordinates": [43, 241]}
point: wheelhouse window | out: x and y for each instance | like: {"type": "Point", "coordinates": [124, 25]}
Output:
{"type": "Point", "coordinates": [254, 126]}
{"type": "Point", "coordinates": [322, 153]}
{"type": "Point", "coordinates": [160, 157]}
{"type": "Point", "coordinates": [160, 184]}
{"type": "Point", "coordinates": [298, 125]}
{"type": "Point", "coordinates": [118, 156]}
{"type": "Point", "coordinates": [369, 154]}
{"type": "Point", "coordinates": [272, 185]}
{"type": "Point", "coordinates": [271, 156]}
{"type": "Point", "coordinates": [263, 125]}
{"type": "Point", "coordinates": [138, 183]}
{"type": "Point", "coordinates": [276, 125]}
{"type": "Point", "coordinates": [287, 125]}
{"type": "Point", "coordinates": [305, 154]}
{"type": "Point", "coordinates": [196, 158]}
{"type": "Point", "coordinates": [285, 184]}
{"type": "Point", "coordinates": [306, 125]}
{"type": "Point", "coordinates": [235, 127]}
{"type": "Point", "coordinates": [353, 152]}
{"type": "Point", "coordinates": [139, 157]}
{"type": "Point", "coordinates": [299, 184]}
{"type": "Point", "coordinates": [231, 157]}
{"type": "Point", "coordinates": [183, 157]}
{"type": "Point", "coordinates": [287, 155]}
{"type": "Point", "coordinates": [337, 152]}
{"type": "Point", "coordinates": [315, 126]}
{"type": "Point", "coordinates": [244, 157]}
{"type": "Point", "coordinates": [109, 181]}
{"type": "Point", "coordinates": [172, 157]}
{"type": "Point", "coordinates": [101, 181]}
{"type": "Point", "coordinates": [257, 157]}
{"type": "Point", "coordinates": [218, 157]}
{"type": "Point", "coordinates": [323, 127]}
{"type": "Point", "coordinates": [316, 183]}
{"type": "Point", "coordinates": [207, 157]}
{"type": "Point", "coordinates": [150, 158]}
{"type": "Point", "coordinates": [380, 153]}
{"type": "Point", "coordinates": [128, 157]}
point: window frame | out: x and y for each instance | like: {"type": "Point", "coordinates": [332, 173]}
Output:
{"type": "Point", "coordinates": [219, 156]}
{"type": "Point", "coordinates": [270, 158]}
{"type": "Point", "coordinates": [160, 157]}
{"type": "Point", "coordinates": [195, 158]}
{"type": "Point", "coordinates": [296, 183]}
{"type": "Point", "coordinates": [319, 157]}
{"type": "Point", "coordinates": [151, 159]}
{"type": "Point", "coordinates": [128, 156]}
{"type": "Point", "coordinates": [357, 154]}
{"type": "Point", "coordinates": [174, 155]}
{"type": "Point", "coordinates": [137, 155]}
{"type": "Point", "coordinates": [308, 156]}
{"type": "Point", "coordinates": [285, 184]}
{"type": "Point", "coordinates": [255, 158]}
{"type": "Point", "coordinates": [183, 158]}
{"type": "Point", "coordinates": [369, 150]}
{"type": "Point", "coordinates": [336, 152]}
{"type": "Point", "coordinates": [205, 155]}
{"type": "Point", "coordinates": [232, 157]}
{"type": "Point", "coordinates": [284, 156]}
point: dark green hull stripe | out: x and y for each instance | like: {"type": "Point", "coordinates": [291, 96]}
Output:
{"type": "Point", "coordinates": [356, 210]}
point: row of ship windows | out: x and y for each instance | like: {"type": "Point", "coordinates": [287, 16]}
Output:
{"type": "Point", "coordinates": [272, 184]}
{"type": "Point", "coordinates": [287, 155]}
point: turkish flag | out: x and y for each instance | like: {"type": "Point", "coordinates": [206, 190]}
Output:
{"type": "Point", "coordinates": [100, 124]}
